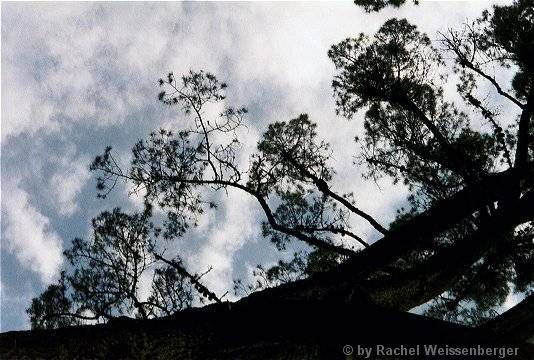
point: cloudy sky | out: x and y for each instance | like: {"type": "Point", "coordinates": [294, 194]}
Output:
{"type": "Point", "coordinates": [79, 76]}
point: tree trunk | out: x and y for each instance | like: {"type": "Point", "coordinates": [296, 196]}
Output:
{"type": "Point", "coordinates": [259, 328]}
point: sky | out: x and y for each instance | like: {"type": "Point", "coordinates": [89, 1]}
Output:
{"type": "Point", "coordinates": [77, 77]}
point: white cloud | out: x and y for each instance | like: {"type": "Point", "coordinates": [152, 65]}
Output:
{"type": "Point", "coordinates": [145, 284]}
{"type": "Point", "coordinates": [66, 185]}
{"type": "Point", "coordinates": [225, 238]}
{"type": "Point", "coordinates": [67, 182]}
{"type": "Point", "coordinates": [81, 63]}
{"type": "Point", "coordinates": [29, 237]}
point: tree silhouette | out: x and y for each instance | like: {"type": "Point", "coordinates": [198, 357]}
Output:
{"type": "Point", "coordinates": [463, 245]}
{"type": "Point", "coordinates": [104, 278]}
{"type": "Point", "coordinates": [412, 134]}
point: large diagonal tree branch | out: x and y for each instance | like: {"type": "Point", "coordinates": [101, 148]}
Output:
{"type": "Point", "coordinates": [438, 218]}
{"type": "Point", "coordinates": [325, 189]}
{"type": "Point", "coordinates": [405, 290]}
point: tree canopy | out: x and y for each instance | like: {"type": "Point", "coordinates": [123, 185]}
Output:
{"type": "Point", "coordinates": [464, 243]}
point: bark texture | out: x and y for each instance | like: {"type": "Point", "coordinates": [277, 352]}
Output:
{"type": "Point", "coordinates": [259, 327]}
